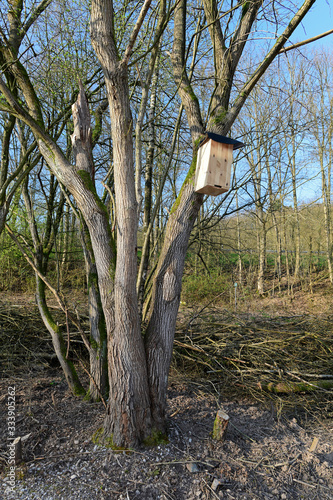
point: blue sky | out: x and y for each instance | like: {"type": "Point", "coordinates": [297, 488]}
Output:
{"type": "Point", "coordinates": [317, 21]}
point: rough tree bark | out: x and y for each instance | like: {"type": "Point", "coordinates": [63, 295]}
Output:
{"type": "Point", "coordinates": [128, 418]}
{"type": "Point", "coordinates": [4, 202]}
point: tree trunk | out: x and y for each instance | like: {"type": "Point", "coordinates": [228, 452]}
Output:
{"type": "Point", "coordinates": [82, 149]}
{"type": "Point", "coordinates": [326, 197]}
{"type": "Point", "coordinates": [128, 413]}
{"type": "Point", "coordinates": [98, 336]}
{"type": "Point", "coordinates": [64, 244]}
{"type": "Point", "coordinates": [296, 213]}
{"type": "Point", "coordinates": [131, 399]}
{"type": "Point", "coordinates": [41, 259]}
{"type": "Point", "coordinates": [261, 252]}
{"type": "Point", "coordinates": [166, 298]}
{"type": "Point", "coordinates": [147, 213]}
{"type": "Point", "coordinates": [239, 244]}
{"type": "Point", "coordinates": [5, 157]}
{"type": "Point", "coordinates": [286, 249]}
{"type": "Point", "coordinates": [128, 418]}
{"type": "Point", "coordinates": [58, 341]}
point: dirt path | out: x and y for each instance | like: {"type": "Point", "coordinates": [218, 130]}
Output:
{"type": "Point", "coordinates": [261, 457]}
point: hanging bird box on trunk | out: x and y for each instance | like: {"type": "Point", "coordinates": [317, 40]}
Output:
{"type": "Point", "coordinates": [212, 175]}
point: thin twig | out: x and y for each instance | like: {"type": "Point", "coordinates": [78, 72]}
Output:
{"type": "Point", "coordinates": [60, 301]}
{"type": "Point", "coordinates": [68, 334]}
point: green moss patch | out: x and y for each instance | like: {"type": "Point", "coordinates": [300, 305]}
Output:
{"type": "Point", "coordinates": [156, 438]}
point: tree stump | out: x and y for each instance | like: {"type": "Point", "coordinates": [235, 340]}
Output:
{"type": "Point", "coordinates": [220, 425]}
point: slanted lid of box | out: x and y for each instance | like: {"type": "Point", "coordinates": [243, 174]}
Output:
{"type": "Point", "coordinates": [223, 140]}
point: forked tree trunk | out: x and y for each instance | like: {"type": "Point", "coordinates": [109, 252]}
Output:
{"type": "Point", "coordinates": [128, 418]}
{"type": "Point", "coordinates": [132, 400]}
{"type": "Point", "coordinates": [167, 282]}
{"type": "Point", "coordinates": [168, 278]}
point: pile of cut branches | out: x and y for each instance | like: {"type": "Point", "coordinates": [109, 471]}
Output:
{"type": "Point", "coordinates": [25, 342]}
{"type": "Point", "coordinates": [287, 360]}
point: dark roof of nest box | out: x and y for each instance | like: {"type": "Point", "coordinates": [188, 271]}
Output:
{"type": "Point", "coordinates": [222, 139]}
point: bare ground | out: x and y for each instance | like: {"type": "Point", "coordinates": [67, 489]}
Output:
{"type": "Point", "coordinates": [265, 455]}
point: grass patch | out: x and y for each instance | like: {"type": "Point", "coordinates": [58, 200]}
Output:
{"type": "Point", "coordinates": [203, 287]}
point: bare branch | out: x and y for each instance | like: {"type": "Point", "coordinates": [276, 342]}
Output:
{"type": "Point", "coordinates": [188, 98]}
{"type": "Point", "coordinates": [305, 42]}
{"type": "Point", "coordinates": [136, 30]}
{"type": "Point", "coordinates": [34, 15]}
{"type": "Point", "coordinates": [253, 80]}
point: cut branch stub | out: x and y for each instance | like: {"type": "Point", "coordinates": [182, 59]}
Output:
{"type": "Point", "coordinates": [220, 425]}
{"type": "Point", "coordinates": [17, 445]}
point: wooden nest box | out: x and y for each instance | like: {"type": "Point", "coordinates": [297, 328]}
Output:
{"type": "Point", "coordinates": [212, 175]}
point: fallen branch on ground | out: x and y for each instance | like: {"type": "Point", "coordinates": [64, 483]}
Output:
{"type": "Point", "coordinates": [289, 387]}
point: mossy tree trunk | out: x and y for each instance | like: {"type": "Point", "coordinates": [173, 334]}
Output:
{"type": "Point", "coordinates": [42, 249]}
{"type": "Point", "coordinates": [58, 341]}
{"type": "Point", "coordinates": [167, 281]}
{"type": "Point", "coordinates": [128, 418]}
{"type": "Point", "coordinates": [98, 337]}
